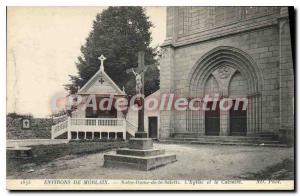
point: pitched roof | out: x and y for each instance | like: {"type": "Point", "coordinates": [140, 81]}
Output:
{"type": "Point", "coordinates": [101, 83]}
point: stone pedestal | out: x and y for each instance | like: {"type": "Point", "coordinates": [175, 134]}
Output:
{"type": "Point", "coordinates": [140, 155]}
{"type": "Point", "coordinates": [141, 135]}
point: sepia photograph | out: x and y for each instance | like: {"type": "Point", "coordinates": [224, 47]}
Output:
{"type": "Point", "coordinates": [150, 98]}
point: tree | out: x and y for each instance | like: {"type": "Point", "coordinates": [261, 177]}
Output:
{"type": "Point", "coordinates": [118, 33]}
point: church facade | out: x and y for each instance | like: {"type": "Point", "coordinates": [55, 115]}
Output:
{"type": "Point", "coordinates": [231, 52]}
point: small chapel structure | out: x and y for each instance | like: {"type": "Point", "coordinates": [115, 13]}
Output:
{"type": "Point", "coordinates": [96, 124]}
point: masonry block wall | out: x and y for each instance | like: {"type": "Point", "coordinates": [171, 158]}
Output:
{"type": "Point", "coordinates": [286, 76]}
{"type": "Point", "coordinates": [260, 33]}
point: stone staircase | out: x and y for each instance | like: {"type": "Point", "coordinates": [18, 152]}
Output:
{"type": "Point", "coordinates": [264, 139]}
{"type": "Point", "coordinates": [131, 129]}
{"type": "Point", "coordinates": [59, 129]}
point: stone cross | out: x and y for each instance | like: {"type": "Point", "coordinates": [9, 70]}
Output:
{"type": "Point", "coordinates": [102, 58]}
{"type": "Point", "coordinates": [139, 74]}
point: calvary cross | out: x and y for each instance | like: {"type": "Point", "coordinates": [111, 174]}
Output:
{"type": "Point", "coordinates": [139, 74]}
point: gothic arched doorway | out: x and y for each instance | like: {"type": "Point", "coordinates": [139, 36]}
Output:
{"type": "Point", "coordinates": [212, 114]}
{"type": "Point", "coordinates": [237, 90]}
{"type": "Point", "coordinates": [237, 77]}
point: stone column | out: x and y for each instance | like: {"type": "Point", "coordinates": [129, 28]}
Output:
{"type": "Point", "coordinates": [286, 74]}
{"type": "Point", "coordinates": [286, 79]}
{"type": "Point", "coordinates": [167, 87]}
{"type": "Point", "coordinates": [257, 113]}
{"type": "Point", "coordinates": [172, 24]}
{"type": "Point", "coordinates": [250, 116]}
{"type": "Point", "coordinates": [69, 129]}
{"type": "Point", "coordinates": [224, 123]}
{"type": "Point", "coordinates": [167, 70]}
{"type": "Point", "coordinates": [69, 135]}
{"type": "Point", "coordinates": [202, 122]}
{"type": "Point", "coordinates": [254, 114]}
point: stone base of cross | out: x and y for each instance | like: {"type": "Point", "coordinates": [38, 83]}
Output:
{"type": "Point", "coordinates": [140, 153]}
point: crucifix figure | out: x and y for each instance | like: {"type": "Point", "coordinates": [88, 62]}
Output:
{"type": "Point", "coordinates": [138, 81]}
{"type": "Point", "coordinates": [139, 73]}
{"type": "Point", "coordinates": [139, 78]}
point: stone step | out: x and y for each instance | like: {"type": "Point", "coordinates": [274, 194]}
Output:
{"type": "Point", "coordinates": [244, 144]}
{"type": "Point", "coordinates": [143, 153]}
{"type": "Point", "coordinates": [259, 140]}
{"type": "Point", "coordinates": [241, 143]}
{"type": "Point", "coordinates": [244, 138]}
{"type": "Point", "coordinates": [138, 162]}
{"type": "Point", "coordinates": [269, 137]}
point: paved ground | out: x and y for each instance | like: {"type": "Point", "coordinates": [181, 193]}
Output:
{"type": "Point", "coordinates": [194, 162]}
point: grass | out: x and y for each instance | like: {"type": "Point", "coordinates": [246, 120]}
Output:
{"type": "Point", "coordinates": [280, 171]}
{"type": "Point", "coordinates": [47, 153]}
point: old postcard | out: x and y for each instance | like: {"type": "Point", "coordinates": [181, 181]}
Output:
{"type": "Point", "coordinates": [150, 98]}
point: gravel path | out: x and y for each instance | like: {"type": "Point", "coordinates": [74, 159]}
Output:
{"type": "Point", "coordinates": [194, 162]}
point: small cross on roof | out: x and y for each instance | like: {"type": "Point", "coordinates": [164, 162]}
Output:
{"type": "Point", "coordinates": [101, 80]}
{"type": "Point", "coordinates": [102, 58]}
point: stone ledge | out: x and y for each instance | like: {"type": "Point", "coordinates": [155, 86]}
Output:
{"type": "Point", "coordinates": [141, 135]}
{"type": "Point", "coordinates": [141, 143]}
{"type": "Point", "coordinates": [135, 162]}
{"type": "Point", "coordinates": [142, 153]}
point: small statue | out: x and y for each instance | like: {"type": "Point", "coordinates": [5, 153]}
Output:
{"type": "Point", "coordinates": [138, 80]}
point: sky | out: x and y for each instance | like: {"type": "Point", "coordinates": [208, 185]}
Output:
{"type": "Point", "coordinates": [42, 45]}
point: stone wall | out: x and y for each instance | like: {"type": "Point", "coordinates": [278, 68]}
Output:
{"type": "Point", "coordinates": [286, 76]}
{"type": "Point", "coordinates": [261, 45]}
{"type": "Point", "coordinates": [266, 44]}
{"type": "Point", "coordinates": [40, 129]}
{"type": "Point", "coordinates": [196, 19]}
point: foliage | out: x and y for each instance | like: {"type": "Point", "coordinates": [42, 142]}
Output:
{"type": "Point", "coordinates": [15, 115]}
{"type": "Point", "coordinates": [118, 33]}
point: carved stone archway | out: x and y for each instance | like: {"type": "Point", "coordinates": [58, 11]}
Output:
{"type": "Point", "coordinates": [222, 63]}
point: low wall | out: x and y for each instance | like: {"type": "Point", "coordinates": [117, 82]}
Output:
{"type": "Point", "coordinates": [34, 142]}
{"type": "Point", "coordinates": [45, 153]}
{"type": "Point", "coordinates": [40, 128]}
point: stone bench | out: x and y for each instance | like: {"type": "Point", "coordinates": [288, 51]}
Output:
{"type": "Point", "coordinates": [19, 152]}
